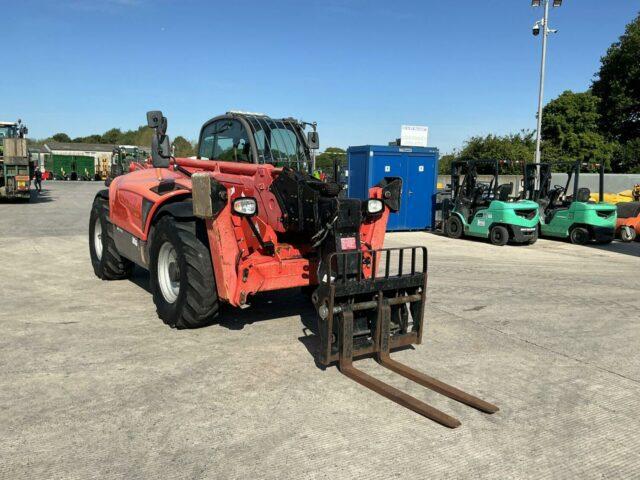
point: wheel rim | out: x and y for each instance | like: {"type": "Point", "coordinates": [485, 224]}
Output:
{"type": "Point", "coordinates": [168, 272]}
{"type": "Point", "coordinates": [97, 238]}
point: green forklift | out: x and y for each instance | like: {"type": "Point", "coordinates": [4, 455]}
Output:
{"type": "Point", "coordinates": [486, 210]}
{"type": "Point", "coordinates": [565, 215]}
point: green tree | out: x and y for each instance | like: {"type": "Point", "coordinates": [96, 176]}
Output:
{"type": "Point", "coordinates": [325, 160]}
{"type": "Point", "coordinates": [570, 130]}
{"type": "Point", "coordinates": [514, 149]}
{"type": "Point", "coordinates": [112, 136]}
{"type": "Point", "coordinates": [626, 157]}
{"type": "Point", "coordinates": [61, 137]}
{"type": "Point", "coordinates": [444, 164]}
{"type": "Point", "coordinates": [88, 139]}
{"type": "Point", "coordinates": [618, 86]}
{"type": "Point", "coordinates": [183, 147]}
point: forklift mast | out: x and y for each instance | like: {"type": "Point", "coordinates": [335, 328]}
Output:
{"type": "Point", "coordinates": [530, 174]}
{"type": "Point", "coordinates": [573, 176]}
{"type": "Point", "coordinates": [464, 177]}
{"type": "Point", "coordinates": [576, 168]}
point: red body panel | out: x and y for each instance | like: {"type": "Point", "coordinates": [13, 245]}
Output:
{"type": "Point", "coordinates": [241, 268]}
{"type": "Point", "coordinates": [633, 222]}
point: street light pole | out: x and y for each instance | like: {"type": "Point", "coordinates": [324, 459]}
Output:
{"type": "Point", "coordinates": [544, 23]}
{"type": "Point", "coordinates": [545, 33]}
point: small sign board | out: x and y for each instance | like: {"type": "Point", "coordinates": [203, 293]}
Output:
{"type": "Point", "coordinates": [414, 136]}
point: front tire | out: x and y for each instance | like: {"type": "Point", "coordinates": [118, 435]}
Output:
{"type": "Point", "coordinates": [181, 276]}
{"type": "Point", "coordinates": [499, 235]}
{"type": "Point", "coordinates": [627, 234]}
{"type": "Point", "coordinates": [453, 227]}
{"type": "Point", "coordinates": [105, 259]}
{"type": "Point", "coordinates": [579, 236]}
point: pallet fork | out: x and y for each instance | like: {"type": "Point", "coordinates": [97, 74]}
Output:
{"type": "Point", "coordinates": [362, 313]}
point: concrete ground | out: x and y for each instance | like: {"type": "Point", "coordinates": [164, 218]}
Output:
{"type": "Point", "coordinates": [93, 385]}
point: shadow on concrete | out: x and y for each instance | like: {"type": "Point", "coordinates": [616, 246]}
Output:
{"type": "Point", "coordinates": [140, 278]}
{"type": "Point", "coordinates": [632, 248]}
{"type": "Point", "coordinates": [268, 306]}
{"type": "Point", "coordinates": [42, 197]}
{"type": "Point", "coordinates": [469, 238]}
{"type": "Point", "coordinates": [263, 306]}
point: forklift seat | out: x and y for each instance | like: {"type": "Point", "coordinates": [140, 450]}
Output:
{"type": "Point", "coordinates": [504, 191]}
{"type": "Point", "coordinates": [554, 195]}
{"type": "Point", "coordinates": [583, 195]}
{"type": "Point", "coordinates": [552, 208]}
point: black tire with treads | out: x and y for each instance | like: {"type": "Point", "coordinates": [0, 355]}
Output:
{"type": "Point", "coordinates": [499, 235]}
{"type": "Point", "coordinates": [111, 265]}
{"type": "Point", "coordinates": [197, 302]}
{"type": "Point", "coordinates": [453, 227]}
{"type": "Point", "coordinates": [579, 236]}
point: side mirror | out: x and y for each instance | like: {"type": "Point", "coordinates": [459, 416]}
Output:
{"type": "Point", "coordinates": [156, 120]}
{"type": "Point", "coordinates": [313, 140]}
{"type": "Point", "coordinates": [160, 143]}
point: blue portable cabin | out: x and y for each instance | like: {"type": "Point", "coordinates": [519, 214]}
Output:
{"type": "Point", "coordinates": [418, 168]}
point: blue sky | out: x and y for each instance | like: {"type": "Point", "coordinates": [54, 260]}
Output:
{"type": "Point", "coordinates": [360, 68]}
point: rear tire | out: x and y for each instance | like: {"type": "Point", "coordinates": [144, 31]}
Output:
{"type": "Point", "coordinates": [453, 227]}
{"type": "Point", "coordinates": [181, 276]}
{"type": "Point", "coordinates": [627, 234]}
{"type": "Point", "coordinates": [105, 259]}
{"type": "Point", "coordinates": [579, 236]}
{"type": "Point", "coordinates": [499, 235]}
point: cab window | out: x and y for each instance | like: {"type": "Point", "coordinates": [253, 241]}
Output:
{"type": "Point", "coordinates": [225, 140]}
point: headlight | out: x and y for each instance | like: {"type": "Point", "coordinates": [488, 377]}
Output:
{"type": "Point", "coordinates": [374, 206]}
{"type": "Point", "coordinates": [245, 206]}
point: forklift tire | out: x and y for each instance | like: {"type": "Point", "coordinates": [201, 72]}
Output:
{"type": "Point", "coordinates": [579, 236]}
{"type": "Point", "coordinates": [453, 227]}
{"type": "Point", "coordinates": [181, 275]}
{"type": "Point", "coordinates": [627, 234]}
{"type": "Point", "coordinates": [105, 259]}
{"type": "Point", "coordinates": [499, 235]}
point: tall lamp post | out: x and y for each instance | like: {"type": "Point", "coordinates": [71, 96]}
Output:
{"type": "Point", "coordinates": [543, 25]}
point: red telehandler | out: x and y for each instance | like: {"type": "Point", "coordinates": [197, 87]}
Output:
{"type": "Point", "coordinates": [246, 217]}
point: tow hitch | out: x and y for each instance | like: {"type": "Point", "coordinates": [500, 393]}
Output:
{"type": "Point", "coordinates": [370, 302]}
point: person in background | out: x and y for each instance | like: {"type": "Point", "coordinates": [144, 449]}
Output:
{"type": "Point", "coordinates": [37, 179]}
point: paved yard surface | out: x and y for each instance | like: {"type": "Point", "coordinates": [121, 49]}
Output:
{"type": "Point", "coordinates": [93, 385]}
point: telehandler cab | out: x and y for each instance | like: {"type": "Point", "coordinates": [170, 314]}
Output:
{"type": "Point", "coordinates": [246, 217]}
{"type": "Point", "coordinates": [572, 216]}
{"type": "Point", "coordinates": [486, 210]}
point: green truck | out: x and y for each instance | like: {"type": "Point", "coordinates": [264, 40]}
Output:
{"type": "Point", "coordinates": [71, 167]}
{"type": "Point", "coordinates": [15, 171]}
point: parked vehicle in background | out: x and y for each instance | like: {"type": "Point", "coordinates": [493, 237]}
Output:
{"type": "Point", "coordinates": [125, 157]}
{"type": "Point", "coordinates": [569, 213]}
{"type": "Point", "coordinates": [15, 171]}
{"type": "Point", "coordinates": [486, 210]}
{"type": "Point", "coordinates": [628, 223]}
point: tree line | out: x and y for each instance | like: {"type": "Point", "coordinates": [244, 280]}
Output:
{"type": "Point", "coordinates": [599, 125]}
{"type": "Point", "coordinates": [141, 137]}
